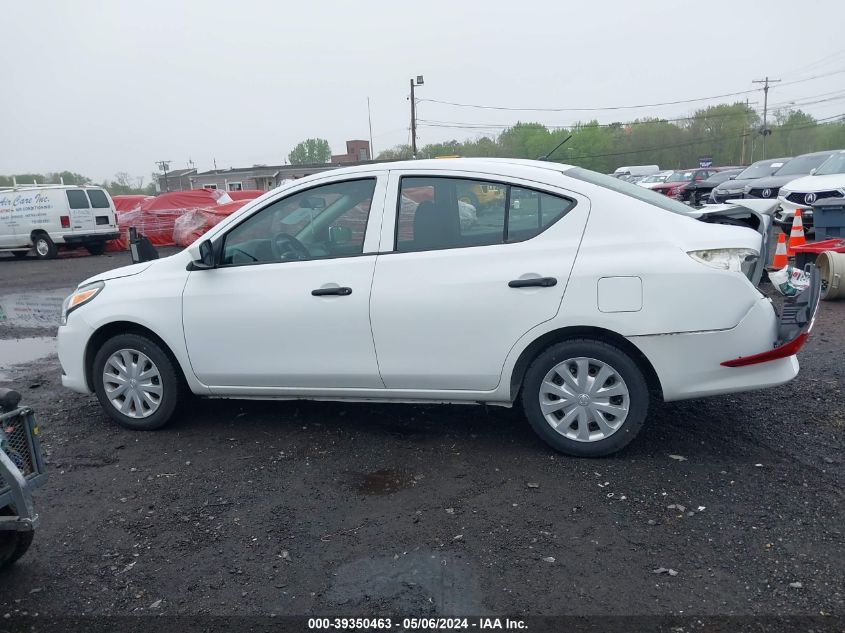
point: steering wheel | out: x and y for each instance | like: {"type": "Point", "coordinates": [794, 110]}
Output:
{"type": "Point", "coordinates": [288, 247]}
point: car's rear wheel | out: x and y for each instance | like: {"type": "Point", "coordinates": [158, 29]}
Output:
{"type": "Point", "coordinates": [585, 397]}
{"type": "Point", "coordinates": [44, 246]}
{"type": "Point", "coordinates": [136, 382]}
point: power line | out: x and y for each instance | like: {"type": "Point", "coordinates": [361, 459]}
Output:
{"type": "Point", "coordinates": [625, 107]}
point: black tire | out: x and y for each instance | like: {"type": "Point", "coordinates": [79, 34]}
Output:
{"type": "Point", "coordinates": [44, 246]}
{"type": "Point", "coordinates": [169, 379]}
{"type": "Point", "coordinates": [20, 254]}
{"type": "Point", "coordinates": [620, 362]}
{"type": "Point", "coordinates": [13, 545]}
{"type": "Point", "coordinates": [96, 249]}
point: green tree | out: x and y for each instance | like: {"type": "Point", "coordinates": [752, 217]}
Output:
{"type": "Point", "coordinates": [400, 152]}
{"type": "Point", "coordinates": [310, 152]}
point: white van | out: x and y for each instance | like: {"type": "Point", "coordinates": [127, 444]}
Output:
{"type": "Point", "coordinates": [46, 217]}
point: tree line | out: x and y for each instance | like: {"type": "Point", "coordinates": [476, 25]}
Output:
{"type": "Point", "coordinates": [729, 134]}
{"type": "Point", "coordinates": [121, 184]}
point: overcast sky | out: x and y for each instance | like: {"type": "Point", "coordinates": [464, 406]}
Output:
{"type": "Point", "coordinates": [111, 86]}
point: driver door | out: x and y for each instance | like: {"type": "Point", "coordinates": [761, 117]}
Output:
{"type": "Point", "coordinates": [287, 305]}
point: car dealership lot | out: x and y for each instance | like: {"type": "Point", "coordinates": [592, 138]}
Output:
{"type": "Point", "coordinates": [301, 507]}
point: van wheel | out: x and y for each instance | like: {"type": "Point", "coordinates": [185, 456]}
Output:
{"type": "Point", "coordinates": [136, 382]}
{"type": "Point", "coordinates": [20, 254]}
{"type": "Point", "coordinates": [44, 247]}
{"type": "Point", "coordinates": [585, 397]}
{"type": "Point", "coordinates": [96, 249]}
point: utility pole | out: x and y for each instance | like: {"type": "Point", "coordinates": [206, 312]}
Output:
{"type": "Point", "coordinates": [765, 131]}
{"type": "Point", "coordinates": [370, 121]}
{"type": "Point", "coordinates": [419, 82]}
{"type": "Point", "coordinates": [164, 165]}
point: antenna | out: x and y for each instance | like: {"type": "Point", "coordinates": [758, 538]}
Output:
{"type": "Point", "coordinates": [558, 146]}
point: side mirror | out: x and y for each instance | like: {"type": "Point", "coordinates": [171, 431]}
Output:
{"type": "Point", "coordinates": [206, 257]}
{"type": "Point", "coordinates": [340, 234]}
{"type": "Point", "coordinates": [732, 177]}
{"type": "Point", "coordinates": [813, 171]}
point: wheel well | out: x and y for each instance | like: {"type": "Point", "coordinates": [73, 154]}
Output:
{"type": "Point", "coordinates": [36, 233]}
{"type": "Point", "coordinates": [557, 336]}
{"type": "Point", "coordinates": [122, 327]}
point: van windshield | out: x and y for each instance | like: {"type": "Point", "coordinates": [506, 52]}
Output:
{"type": "Point", "coordinates": [643, 194]}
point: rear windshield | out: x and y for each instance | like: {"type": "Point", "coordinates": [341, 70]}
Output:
{"type": "Point", "coordinates": [626, 188]}
{"type": "Point", "coordinates": [802, 165]}
{"type": "Point", "coordinates": [77, 199]}
{"type": "Point", "coordinates": [681, 176]}
{"type": "Point", "coordinates": [98, 199]}
{"type": "Point", "coordinates": [761, 169]}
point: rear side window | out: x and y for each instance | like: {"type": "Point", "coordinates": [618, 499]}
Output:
{"type": "Point", "coordinates": [439, 213]}
{"type": "Point", "coordinates": [98, 198]}
{"type": "Point", "coordinates": [77, 199]}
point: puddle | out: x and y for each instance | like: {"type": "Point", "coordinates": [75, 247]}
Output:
{"type": "Point", "coordinates": [32, 309]}
{"type": "Point", "coordinates": [384, 482]}
{"type": "Point", "coordinates": [23, 350]}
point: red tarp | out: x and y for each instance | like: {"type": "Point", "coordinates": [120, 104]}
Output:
{"type": "Point", "coordinates": [128, 202]}
{"type": "Point", "coordinates": [246, 194]}
{"type": "Point", "coordinates": [196, 222]}
{"type": "Point", "coordinates": [156, 216]}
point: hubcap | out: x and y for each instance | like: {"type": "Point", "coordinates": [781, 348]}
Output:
{"type": "Point", "coordinates": [584, 399]}
{"type": "Point", "coordinates": [41, 247]}
{"type": "Point", "coordinates": [132, 383]}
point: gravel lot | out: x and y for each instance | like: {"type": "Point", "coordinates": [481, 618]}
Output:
{"type": "Point", "coordinates": [350, 509]}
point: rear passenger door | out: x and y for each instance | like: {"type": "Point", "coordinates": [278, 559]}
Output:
{"type": "Point", "coordinates": [456, 283]}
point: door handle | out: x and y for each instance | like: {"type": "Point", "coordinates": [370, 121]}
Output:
{"type": "Point", "coordinates": [343, 291]}
{"type": "Point", "coordinates": [542, 282]}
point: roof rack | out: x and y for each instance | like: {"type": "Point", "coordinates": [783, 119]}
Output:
{"type": "Point", "coordinates": [35, 185]}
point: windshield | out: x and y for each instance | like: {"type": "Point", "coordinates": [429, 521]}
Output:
{"type": "Point", "coordinates": [680, 176]}
{"type": "Point", "coordinates": [802, 165]}
{"type": "Point", "coordinates": [634, 191]}
{"type": "Point", "coordinates": [760, 169]}
{"type": "Point", "coordinates": [833, 165]}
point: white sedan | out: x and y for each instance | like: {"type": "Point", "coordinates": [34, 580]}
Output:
{"type": "Point", "coordinates": [577, 295]}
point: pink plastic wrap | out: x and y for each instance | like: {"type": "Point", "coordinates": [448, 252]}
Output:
{"type": "Point", "coordinates": [193, 224]}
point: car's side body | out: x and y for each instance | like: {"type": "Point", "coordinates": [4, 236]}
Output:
{"type": "Point", "coordinates": [444, 325]}
{"type": "Point", "coordinates": [802, 193]}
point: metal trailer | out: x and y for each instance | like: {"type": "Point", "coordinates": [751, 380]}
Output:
{"type": "Point", "coordinates": [21, 470]}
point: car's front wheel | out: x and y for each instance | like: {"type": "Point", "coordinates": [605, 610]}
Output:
{"type": "Point", "coordinates": [136, 382]}
{"type": "Point", "coordinates": [585, 397]}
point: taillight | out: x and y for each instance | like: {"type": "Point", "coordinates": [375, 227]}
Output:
{"type": "Point", "coordinates": [783, 351]}
{"type": "Point", "coordinates": [65, 221]}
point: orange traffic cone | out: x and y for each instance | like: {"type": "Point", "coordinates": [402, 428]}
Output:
{"type": "Point", "coordinates": [796, 236]}
{"type": "Point", "coordinates": [781, 260]}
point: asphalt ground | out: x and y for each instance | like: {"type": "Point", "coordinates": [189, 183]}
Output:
{"type": "Point", "coordinates": [316, 508]}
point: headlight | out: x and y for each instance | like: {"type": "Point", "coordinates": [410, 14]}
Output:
{"type": "Point", "coordinates": [731, 192]}
{"type": "Point", "coordinates": [731, 259]}
{"type": "Point", "coordinates": [79, 299]}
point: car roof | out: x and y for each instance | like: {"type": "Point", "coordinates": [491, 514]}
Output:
{"type": "Point", "coordinates": [460, 164]}
{"type": "Point", "coordinates": [25, 187]}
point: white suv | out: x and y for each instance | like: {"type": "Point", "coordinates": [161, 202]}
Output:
{"type": "Point", "coordinates": [827, 181]}
{"type": "Point", "coordinates": [575, 294]}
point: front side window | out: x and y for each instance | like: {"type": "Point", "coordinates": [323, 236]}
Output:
{"type": "Point", "coordinates": [98, 199]}
{"type": "Point", "coordinates": [326, 221]}
{"type": "Point", "coordinates": [77, 199]}
{"type": "Point", "coordinates": [438, 213]}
